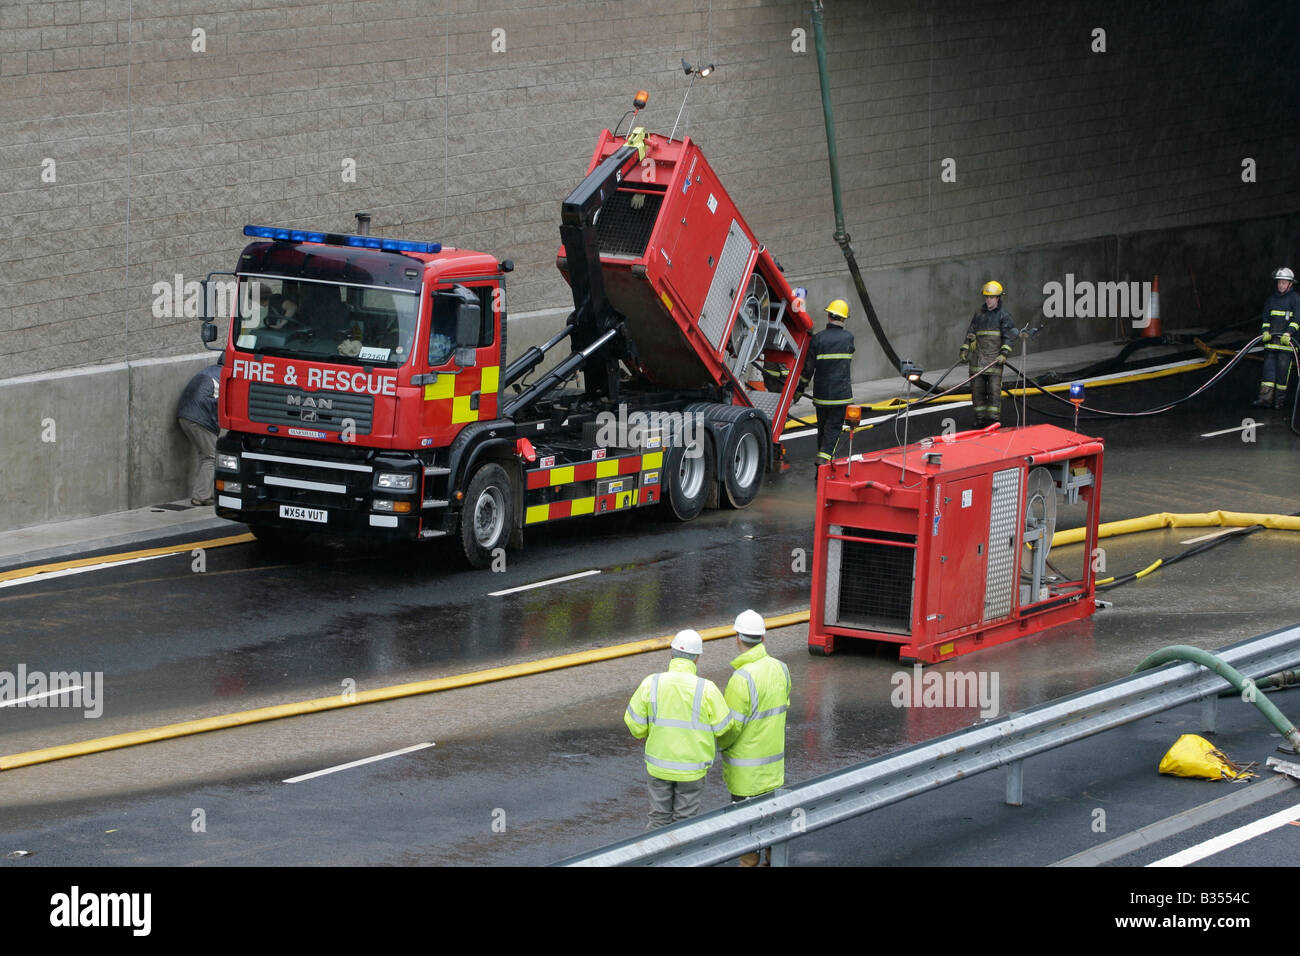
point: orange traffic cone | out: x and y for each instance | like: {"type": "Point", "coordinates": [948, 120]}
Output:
{"type": "Point", "coordinates": [1152, 314]}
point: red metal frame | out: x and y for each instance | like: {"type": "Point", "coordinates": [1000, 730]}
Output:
{"type": "Point", "coordinates": [662, 292]}
{"type": "Point", "coordinates": [943, 498]}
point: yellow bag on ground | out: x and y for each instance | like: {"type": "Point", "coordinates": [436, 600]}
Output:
{"type": "Point", "coordinates": [1194, 756]}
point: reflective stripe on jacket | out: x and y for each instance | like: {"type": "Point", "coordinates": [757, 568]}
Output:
{"type": "Point", "coordinates": [1281, 315]}
{"type": "Point", "coordinates": [680, 716]}
{"type": "Point", "coordinates": [753, 760]}
{"type": "Point", "coordinates": [830, 365]}
{"type": "Point", "coordinates": [991, 333]}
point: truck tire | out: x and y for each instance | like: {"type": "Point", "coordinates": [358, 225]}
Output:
{"type": "Point", "coordinates": [487, 518]}
{"type": "Point", "coordinates": [743, 463]}
{"type": "Point", "coordinates": [689, 477]}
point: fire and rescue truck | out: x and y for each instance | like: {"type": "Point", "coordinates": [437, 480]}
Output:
{"type": "Point", "coordinates": [367, 390]}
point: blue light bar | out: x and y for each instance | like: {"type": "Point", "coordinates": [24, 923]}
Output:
{"type": "Point", "coordinates": [359, 242]}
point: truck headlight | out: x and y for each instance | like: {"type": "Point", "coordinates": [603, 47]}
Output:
{"type": "Point", "coordinates": [395, 481]}
{"type": "Point", "coordinates": [228, 462]}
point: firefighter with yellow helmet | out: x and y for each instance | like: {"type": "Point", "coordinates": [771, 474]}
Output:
{"type": "Point", "coordinates": [988, 342]}
{"type": "Point", "coordinates": [831, 370]}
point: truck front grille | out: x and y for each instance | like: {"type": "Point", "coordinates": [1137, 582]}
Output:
{"type": "Point", "coordinates": [325, 411]}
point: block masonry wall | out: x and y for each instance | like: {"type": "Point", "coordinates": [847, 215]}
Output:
{"type": "Point", "coordinates": [137, 137]}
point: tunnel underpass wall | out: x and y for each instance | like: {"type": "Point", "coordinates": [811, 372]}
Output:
{"type": "Point", "coordinates": [1023, 140]}
{"type": "Point", "coordinates": [1209, 276]}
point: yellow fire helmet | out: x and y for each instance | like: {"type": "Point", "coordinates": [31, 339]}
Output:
{"type": "Point", "coordinates": [992, 288]}
{"type": "Point", "coordinates": [839, 308]}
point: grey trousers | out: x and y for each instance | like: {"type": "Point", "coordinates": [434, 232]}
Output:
{"type": "Point", "coordinates": [205, 449]}
{"type": "Point", "coordinates": [672, 800]}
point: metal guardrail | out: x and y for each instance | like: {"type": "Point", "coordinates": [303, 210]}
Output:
{"type": "Point", "coordinates": [726, 833]}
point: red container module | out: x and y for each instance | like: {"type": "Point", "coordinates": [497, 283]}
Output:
{"type": "Point", "coordinates": [941, 547]}
{"type": "Point", "coordinates": [704, 301]}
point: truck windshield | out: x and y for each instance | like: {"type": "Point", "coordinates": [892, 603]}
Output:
{"type": "Point", "coordinates": [326, 321]}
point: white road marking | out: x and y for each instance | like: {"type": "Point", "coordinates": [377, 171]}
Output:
{"type": "Point", "coordinates": [1230, 839]}
{"type": "Point", "coordinates": [1207, 537]}
{"type": "Point", "coordinates": [48, 693]}
{"type": "Point", "coordinates": [47, 575]}
{"type": "Point", "coordinates": [1229, 431]}
{"type": "Point", "coordinates": [542, 584]}
{"type": "Point", "coordinates": [357, 763]}
{"type": "Point", "coordinates": [877, 419]}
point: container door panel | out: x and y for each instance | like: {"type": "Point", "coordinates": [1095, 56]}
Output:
{"type": "Point", "coordinates": [961, 551]}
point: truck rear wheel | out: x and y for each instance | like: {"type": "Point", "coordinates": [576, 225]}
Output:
{"type": "Point", "coordinates": [743, 463]}
{"type": "Point", "coordinates": [688, 470]}
{"type": "Point", "coordinates": [487, 518]}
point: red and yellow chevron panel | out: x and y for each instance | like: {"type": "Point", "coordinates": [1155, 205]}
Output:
{"type": "Point", "coordinates": [593, 505]}
{"type": "Point", "coordinates": [591, 470]}
{"type": "Point", "coordinates": [456, 391]}
{"type": "Point", "coordinates": [621, 494]}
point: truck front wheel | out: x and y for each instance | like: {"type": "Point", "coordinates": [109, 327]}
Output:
{"type": "Point", "coordinates": [688, 470]}
{"type": "Point", "coordinates": [487, 517]}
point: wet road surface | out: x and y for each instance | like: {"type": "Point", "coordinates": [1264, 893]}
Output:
{"type": "Point", "coordinates": [532, 770]}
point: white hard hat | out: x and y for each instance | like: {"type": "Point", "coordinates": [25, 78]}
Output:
{"type": "Point", "coordinates": [688, 642]}
{"type": "Point", "coordinates": [749, 624]}
{"type": "Point", "coordinates": [1284, 273]}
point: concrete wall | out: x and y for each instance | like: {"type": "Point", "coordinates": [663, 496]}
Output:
{"type": "Point", "coordinates": [137, 137]}
{"type": "Point", "coordinates": [1209, 275]}
{"type": "Point", "coordinates": [93, 441]}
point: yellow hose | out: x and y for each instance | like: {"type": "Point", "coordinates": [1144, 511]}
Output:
{"type": "Point", "coordinates": [338, 701]}
{"type": "Point", "coordinates": [1164, 519]}
{"type": "Point", "coordinates": [1063, 386]}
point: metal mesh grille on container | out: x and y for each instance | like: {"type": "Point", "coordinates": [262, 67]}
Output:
{"type": "Point", "coordinates": [728, 280]}
{"type": "Point", "coordinates": [621, 229]}
{"type": "Point", "coordinates": [876, 582]}
{"type": "Point", "coordinates": [1004, 540]}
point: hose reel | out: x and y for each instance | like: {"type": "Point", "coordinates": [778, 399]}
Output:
{"type": "Point", "coordinates": [1040, 525]}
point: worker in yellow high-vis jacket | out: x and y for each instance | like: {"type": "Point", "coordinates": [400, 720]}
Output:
{"type": "Point", "coordinates": [682, 717]}
{"type": "Point", "coordinates": [753, 760]}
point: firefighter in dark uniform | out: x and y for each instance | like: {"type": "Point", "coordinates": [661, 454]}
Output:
{"type": "Point", "coordinates": [832, 357]}
{"type": "Point", "coordinates": [988, 339]}
{"type": "Point", "coordinates": [1281, 327]}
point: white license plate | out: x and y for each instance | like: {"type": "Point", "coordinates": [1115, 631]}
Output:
{"type": "Point", "coordinates": [318, 515]}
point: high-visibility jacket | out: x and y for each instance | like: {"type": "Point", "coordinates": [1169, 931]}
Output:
{"type": "Point", "coordinates": [680, 716]}
{"type": "Point", "coordinates": [753, 761]}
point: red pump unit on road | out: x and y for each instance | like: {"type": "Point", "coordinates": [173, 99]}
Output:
{"type": "Point", "coordinates": [941, 547]}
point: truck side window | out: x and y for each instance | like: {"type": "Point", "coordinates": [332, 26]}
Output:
{"type": "Point", "coordinates": [461, 318]}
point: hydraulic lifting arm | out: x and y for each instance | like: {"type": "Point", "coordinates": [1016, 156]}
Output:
{"type": "Point", "coordinates": [594, 327]}
{"type": "Point", "coordinates": [593, 315]}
